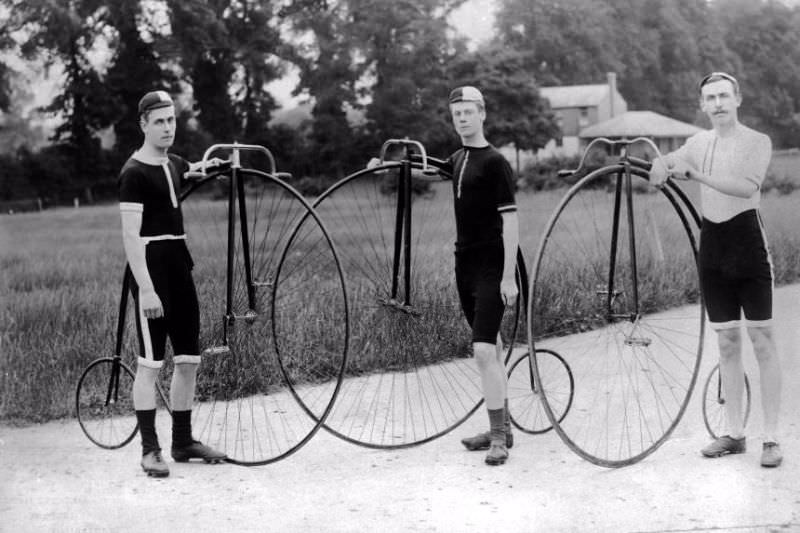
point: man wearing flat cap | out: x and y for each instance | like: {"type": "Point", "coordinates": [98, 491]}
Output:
{"type": "Point", "coordinates": [164, 291]}
{"type": "Point", "coordinates": [487, 238]}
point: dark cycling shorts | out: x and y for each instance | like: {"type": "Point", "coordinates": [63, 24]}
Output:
{"type": "Point", "coordinates": [736, 271]}
{"type": "Point", "coordinates": [170, 266]}
{"type": "Point", "coordinates": [479, 271]}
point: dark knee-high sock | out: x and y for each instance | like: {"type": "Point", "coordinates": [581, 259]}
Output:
{"type": "Point", "coordinates": [181, 428]}
{"type": "Point", "coordinates": [147, 429]}
{"type": "Point", "coordinates": [497, 430]}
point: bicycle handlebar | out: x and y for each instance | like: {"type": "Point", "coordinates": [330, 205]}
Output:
{"type": "Point", "coordinates": [235, 161]}
{"type": "Point", "coordinates": [622, 144]}
{"type": "Point", "coordinates": [409, 142]}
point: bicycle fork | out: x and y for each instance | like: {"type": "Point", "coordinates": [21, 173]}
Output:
{"type": "Point", "coordinates": [236, 196]}
{"type": "Point", "coordinates": [402, 244]}
{"type": "Point", "coordinates": [610, 293]}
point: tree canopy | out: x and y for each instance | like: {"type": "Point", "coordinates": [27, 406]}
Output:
{"type": "Point", "coordinates": [369, 70]}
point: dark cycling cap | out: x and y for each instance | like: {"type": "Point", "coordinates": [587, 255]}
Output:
{"type": "Point", "coordinates": [154, 100]}
{"type": "Point", "coordinates": [466, 93]}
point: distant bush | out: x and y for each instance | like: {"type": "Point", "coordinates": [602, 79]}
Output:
{"type": "Point", "coordinates": [780, 184]}
{"type": "Point", "coordinates": [543, 175]}
{"type": "Point", "coordinates": [311, 187]}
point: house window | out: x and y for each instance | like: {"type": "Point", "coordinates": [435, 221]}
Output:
{"type": "Point", "coordinates": [583, 117]}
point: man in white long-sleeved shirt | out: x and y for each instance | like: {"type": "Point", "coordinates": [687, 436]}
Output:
{"type": "Point", "coordinates": [730, 162]}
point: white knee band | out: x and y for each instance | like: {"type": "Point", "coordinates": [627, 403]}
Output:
{"type": "Point", "coordinates": [186, 359]}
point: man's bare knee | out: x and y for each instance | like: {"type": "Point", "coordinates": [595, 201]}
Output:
{"type": "Point", "coordinates": [485, 354]}
{"type": "Point", "coordinates": [730, 343]}
{"type": "Point", "coordinates": [763, 343]}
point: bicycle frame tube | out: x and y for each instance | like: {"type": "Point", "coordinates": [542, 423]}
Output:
{"type": "Point", "coordinates": [231, 250]}
{"type": "Point", "coordinates": [112, 392]}
{"type": "Point", "coordinates": [123, 305]}
{"type": "Point", "coordinates": [398, 230]}
{"type": "Point", "coordinates": [248, 269]}
{"type": "Point", "coordinates": [612, 266]}
{"type": "Point", "coordinates": [406, 170]}
{"type": "Point", "coordinates": [632, 239]}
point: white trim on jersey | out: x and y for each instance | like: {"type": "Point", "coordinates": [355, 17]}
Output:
{"type": "Point", "coordinates": [165, 166]}
{"type": "Point", "coordinates": [165, 237]}
{"type": "Point", "coordinates": [131, 206]}
{"type": "Point", "coordinates": [461, 174]}
{"type": "Point", "coordinates": [506, 208]}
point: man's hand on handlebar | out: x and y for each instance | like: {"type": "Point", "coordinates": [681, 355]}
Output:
{"type": "Point", "coordinates": [659, 172]}
{"type": "Point", "coordinates": [679, 169]}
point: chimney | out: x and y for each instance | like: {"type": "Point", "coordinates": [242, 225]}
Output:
{"type": "Point", "coordinates": [612, 92]}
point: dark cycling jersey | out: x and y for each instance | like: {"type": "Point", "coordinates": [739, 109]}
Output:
{"type": "Point", "coordinates": [483, 188]}
{"type": "Point", "coordinates": [155, 191]}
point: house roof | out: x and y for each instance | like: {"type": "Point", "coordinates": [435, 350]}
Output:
{"type": "Point", "coordinates": [639, 124]}
{"type": "Point", "coordinates": [575, 95]}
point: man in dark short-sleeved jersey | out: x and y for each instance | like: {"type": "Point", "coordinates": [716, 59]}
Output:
{"type": "Point", "coordinates": [164, 293]}
{"type": "Point", "coordinates": [487, 238]}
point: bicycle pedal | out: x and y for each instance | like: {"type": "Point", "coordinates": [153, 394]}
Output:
{"type": "Point", "coordinates": [249, 317]}
{"type": "Point", "coordinates": [217, 350]}
{"type": "Point", "coordinates": [638, 341]}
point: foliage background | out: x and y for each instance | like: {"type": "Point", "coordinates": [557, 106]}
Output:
{"type": "Point", "coordinates": [388, 64]}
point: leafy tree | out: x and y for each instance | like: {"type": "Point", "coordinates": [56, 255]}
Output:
{"type": "Point", "coordinates": [565, 42]}
{"type": "Point", "coordinates": [764, 35]}
{"type": "Point", "coordinates": [65, 33]}
{"type": "Point", "coordinates": [328, 74]}
{"type": "Point", "coordinates": [515, 112]}
{"type": "Point", "coordinates": [135, 68]}
{"type": "Point", "coordinates": [231, 50]}
{"type": "Point", "coordinates": [406, 51]}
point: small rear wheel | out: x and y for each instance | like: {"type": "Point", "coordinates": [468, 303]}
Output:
{"type": "Point", "coordinates": [714, 403]}
{"type": "Point", "coordinates": [524, 400]}
{"type": "Point", "coordinates": [104, 403]}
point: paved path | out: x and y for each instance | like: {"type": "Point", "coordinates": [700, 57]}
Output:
{"type": "Point", "coordinates": [53, 479]}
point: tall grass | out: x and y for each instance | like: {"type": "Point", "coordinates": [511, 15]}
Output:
{"type": "Point", "coordinates": [60, 275]}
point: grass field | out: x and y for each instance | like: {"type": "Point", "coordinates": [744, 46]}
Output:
{"type": "Point", "coordinates": [60, 274]}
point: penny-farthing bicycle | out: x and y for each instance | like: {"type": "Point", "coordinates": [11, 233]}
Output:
{"type": "Point", "coordinates": [614, 290]}
{"type": "Point", "coordinates": [274, 320]}
{"type": "Point", "coordinates": [410, 378]}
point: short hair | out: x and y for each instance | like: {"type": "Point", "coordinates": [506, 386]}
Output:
{"type": "Point", "coordinates": [719, 76]}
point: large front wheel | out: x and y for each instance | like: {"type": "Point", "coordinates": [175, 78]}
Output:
{"type": "Point", "coordinates": [286, 335]}
{"type": "Point", "coordinates": [411, 377]}
{"type": "Point", "coordinates": [615, 291]}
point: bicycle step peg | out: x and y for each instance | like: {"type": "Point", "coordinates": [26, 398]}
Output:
{"type": "Point", "coordinates": [217, 350]}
